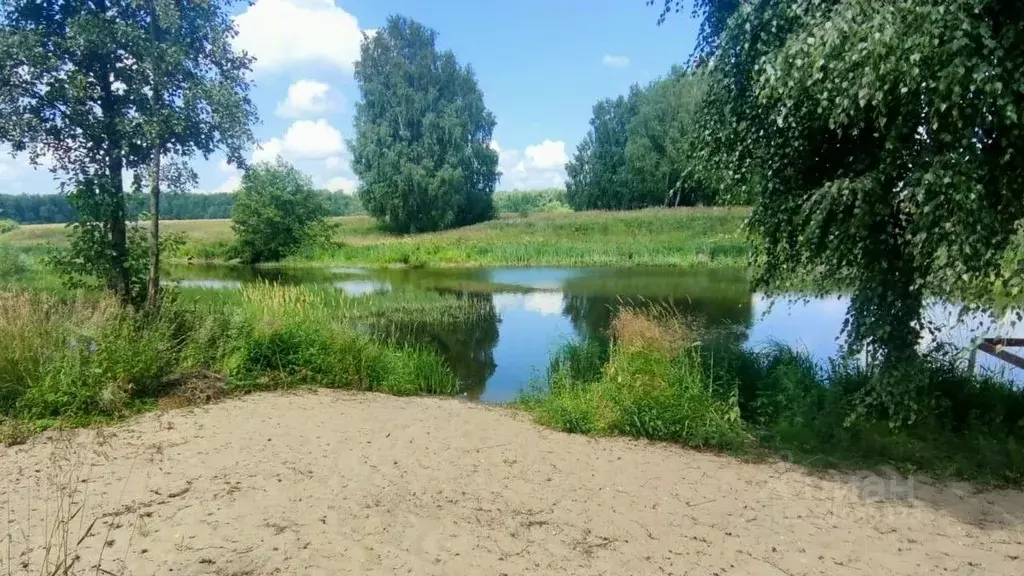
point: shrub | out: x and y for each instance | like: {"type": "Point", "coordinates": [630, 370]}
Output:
{"type": "Point", "coordinates": [276, 212]}
{"type": "Point", "coordinates": [7, 225]}
{"type": "Point", "coordinates": [652, 386]}
{"type": "Point", "coordinates": [529, 201]}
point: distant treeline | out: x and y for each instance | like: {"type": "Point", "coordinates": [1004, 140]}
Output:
{"type": "Point", "coordinates": [54, 208]}
{"type": "Point", "coordinates": [643, 149]}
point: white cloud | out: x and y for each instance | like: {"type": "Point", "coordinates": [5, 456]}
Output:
{"type": "Point", "coordinates": [547, 154]}
{"type": "Point", "coordinates": [539, 166]}
{"type": "Point", "coordinates": [268, 151]}
{"type": "Point", "coordinates": [615, 61]}
{"type": "Point", "coordinates": [495, 146]}
{"type": "Point", "coordinates": [335, 163]}
{"type": "Point", "coordinates": [279, 33]}
{"type": "Point", "coordinates": [305, 97]}
{"type": "Point", "coordinates": [545, 303]}
{"type": "Point", "coordinates": [342, 184]}
{"type": "Point", "coordinates": [304, 140]}
{"type": "Point", "coordinates": [229, 185]}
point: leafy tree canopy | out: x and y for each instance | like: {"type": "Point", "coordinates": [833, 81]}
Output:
{"type": "Point", "coordinates": [640, 149]}
{"type": "Point", "coordinates": [881, 142]}
{"type": "Point", "coordinates": [98, 87]}
{"type": "Point", "coordinates": [277, 211]}
{"type": "Point", "coordinates": [422, 138]}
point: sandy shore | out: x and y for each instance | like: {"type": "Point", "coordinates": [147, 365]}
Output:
{"type": "Point", "coordinates": [338, 483]}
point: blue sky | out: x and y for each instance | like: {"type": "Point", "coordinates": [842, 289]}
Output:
{"type": "Point", "coordinates": [540, 63]}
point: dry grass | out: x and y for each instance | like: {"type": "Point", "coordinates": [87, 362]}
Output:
{"type": "Point", "coordinates": [56, 544]}
{"type": "Point", "coordinates": [636, 330]}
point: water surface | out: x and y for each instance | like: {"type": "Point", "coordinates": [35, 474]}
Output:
{"type": "Point", "coordinates": [528, 313]}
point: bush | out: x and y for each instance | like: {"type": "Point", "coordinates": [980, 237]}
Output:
{"type": "Point", "coordinates": [7, 225]}
{"type": "Point", "coordinates": [529, 201]}
{"type": "Point", "coordinates": [277, 211]}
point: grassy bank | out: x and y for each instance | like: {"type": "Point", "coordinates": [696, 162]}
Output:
{"type": "Point", "coordinates": [80, 358]}
{"type": "Point", "coordinates": [660, 379]}
{"type": "Point", "coordinates": [655, 237]}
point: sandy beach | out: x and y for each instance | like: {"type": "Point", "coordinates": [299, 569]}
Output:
{"type": "Point", "coordinates": [330, 482]}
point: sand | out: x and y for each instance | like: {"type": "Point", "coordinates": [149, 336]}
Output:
{"type": "Point", "coordinates": [338, 483]}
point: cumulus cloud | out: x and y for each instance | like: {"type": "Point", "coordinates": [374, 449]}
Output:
{"type": "Point", "coordinates": [279, 33]}
{"type": "Point", "coordinates": [615, 61]}
{"type": "Point", "coordinates": [342, 184]}
{"type": "Point", "coordinates": [305, 97]}
{"type": "Point", "coordinates": [547, 154]}
{"type": "Point", "coordinates": [538, 166]}
{"type": "Point", "coordinates": [304, 140]}
{"type": "Point", "coordinates": [335, 163]}
{"type": "Point", "coordinates": [229, 185]}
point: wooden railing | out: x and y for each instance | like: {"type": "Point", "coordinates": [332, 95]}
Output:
{"type": "Point", "coordinates": [996, 347]}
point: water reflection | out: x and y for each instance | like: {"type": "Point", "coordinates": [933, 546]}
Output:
{"type": "Point", "coordinates": [522, 315]}
{"type": "Point", "coordinates": [814, 325]}
{"type": "Point", "coordinates": [468, 346]}
{"type": "Point", "coordinates": [361, 287]}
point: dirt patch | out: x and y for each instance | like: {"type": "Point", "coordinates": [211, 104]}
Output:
{"type": "Point", "coordinates": [338, 483]}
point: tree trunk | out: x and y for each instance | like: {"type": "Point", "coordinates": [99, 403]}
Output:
{"type": "Point", "coordinates": [121, 282]}
{"type": "Point", "coordinates": [156, 100]}
{"type": "Point", "coordinates": [153, 291]}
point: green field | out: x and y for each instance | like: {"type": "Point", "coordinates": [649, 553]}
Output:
{"type": "Point", "coordinates": [654, 237]}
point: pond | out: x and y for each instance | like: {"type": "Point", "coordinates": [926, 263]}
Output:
{"type": "Point", "coordinates": [534, 311]}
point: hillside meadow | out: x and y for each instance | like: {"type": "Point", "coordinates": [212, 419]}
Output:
{"type": "Point", "coordinates": [652, 237]}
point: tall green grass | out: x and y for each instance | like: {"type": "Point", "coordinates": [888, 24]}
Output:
{"type": "Point", "coordinates": [78, 357]}
{"type": "Point", "coordinates": [653, 237]}
{"type": "Point", "coordinates": [653, 385]}
{"type": "Point", "coordinates": [663, 380]}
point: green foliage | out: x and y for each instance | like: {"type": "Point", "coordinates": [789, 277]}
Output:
{"type": "Point", "coordinates": [878, 141]}
{"type": "Point", "coordinates": [55, 208]}
{"type": "Point", "coordinates": [714, 17]}
{"type": "Point", "coordinates": [276, 212]}
{"type": "Point", "coordinates": [422, 139]}
{"type": "Point", "coordinates": [12, 264]}
{"type": "Point", "coordinates": [640, 149]}
{"type": "Point", "coordinates": [107, 87]}
{"type": "Point", "coordinates": [654, 385]}
{"type": "Point", "coordinates": [83, 358]}
{"type": "Point", "coordinates": [7, 226]}
{"type": "Point", "coordinates": [84, 263]}
{"type": "Point", "coordinates": [36, 208]}
{"type": "Point", "coordinates": [661, 142]}
{"type": "Point", "coordinates": [529, 201]}
{"type": "Point", "coordinates": [656, 237]}
{"type": "Point", "coordinates": [702, 389]}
